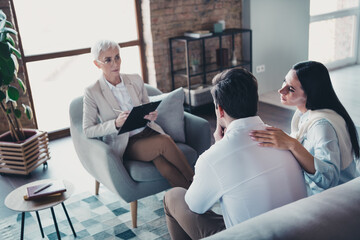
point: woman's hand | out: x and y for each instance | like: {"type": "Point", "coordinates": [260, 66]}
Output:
{"type": "Point", "coordinates": [121, 119]}
{"type": "Point", "coordinates": [219, 132]}
{"type": "Point", "coordinates": [276, 138]}
{"type": "Point", "coordinates": [151, 116]}
{"type": "Point", "coordinates": [272, 137]}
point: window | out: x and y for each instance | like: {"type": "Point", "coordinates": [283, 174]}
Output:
{"type": "Point", "coordinates": [56, 38]}
{"type": "Point", "coordinates": [333, 32]}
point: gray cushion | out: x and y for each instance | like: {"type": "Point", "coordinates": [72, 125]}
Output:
{"type": "Point", "coordinates": [147, 172]}
{"type": "Point", "coordinates": [171, 113]}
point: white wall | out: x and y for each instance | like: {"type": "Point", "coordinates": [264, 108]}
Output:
{"type": "Point", "coordinates": [280, 37]}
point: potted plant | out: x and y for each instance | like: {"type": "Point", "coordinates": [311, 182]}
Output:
{"type": "Point", "coordinates": [21, 150]}
{"type": "Point", "coordinates": [194, 62]}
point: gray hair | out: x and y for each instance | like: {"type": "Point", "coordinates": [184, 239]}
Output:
{"type": "Point", "coordinates": [103, 45]}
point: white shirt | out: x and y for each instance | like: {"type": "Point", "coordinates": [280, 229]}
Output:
{"type": "Point", "coordinates": [123, 99]}
{"type": "Point", "coordinates": [247, 179]}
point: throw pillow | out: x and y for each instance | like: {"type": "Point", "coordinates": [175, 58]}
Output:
{"type": "Point", "coordinates": [171, 113]}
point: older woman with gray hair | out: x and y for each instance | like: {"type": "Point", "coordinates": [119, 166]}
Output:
{"type": "Point", "coordinates": [107, 104]}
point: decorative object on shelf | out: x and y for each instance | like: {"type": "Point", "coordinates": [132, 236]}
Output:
{"type": "Point", "coordinates": [194, 62]}
{"type": "Point", "coordinates": [222, 57]}
{"type": "Point", "coordinates": [198, 34]}
{"type": "Point", "coordinates": [233, 59]}
{"type": "Point", "coordinates": [219, 26]}
{"type": "Point", "coordinates": [199, 93]}
{"type": "Point", "coordinates": [20, 149]}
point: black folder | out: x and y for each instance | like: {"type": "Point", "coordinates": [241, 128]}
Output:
{"type": "Point", "coordinates": [136, 117]}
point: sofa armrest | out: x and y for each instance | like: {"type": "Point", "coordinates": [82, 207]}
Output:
{"type": "Point", "coordinates": [331, 214]}
{"type": "Point", "coordinates": [197, 132]}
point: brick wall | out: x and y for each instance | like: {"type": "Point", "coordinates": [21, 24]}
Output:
{"type": "Point", "coordinates": [5, 6]}
{"type": "Point", "coordinates": [163, 19]}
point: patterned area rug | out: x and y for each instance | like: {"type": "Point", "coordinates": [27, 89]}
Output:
{"type": "Point", "coordinates": [103, 217]}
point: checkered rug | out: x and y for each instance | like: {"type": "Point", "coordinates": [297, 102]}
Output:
{"type": "Point", "coordinates": [94, 217]}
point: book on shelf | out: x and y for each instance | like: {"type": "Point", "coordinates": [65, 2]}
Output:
{"type": "Point", "coordinates": [53, 188]}
{"type": "Point", "coordinates": [198, 34]}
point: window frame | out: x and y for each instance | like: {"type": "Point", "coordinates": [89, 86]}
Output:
{"type": "Point", "coordinates": [339, 14]}
{"type": "Point", "coordinates": [68, 53]}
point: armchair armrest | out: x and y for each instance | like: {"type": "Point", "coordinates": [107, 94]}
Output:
{"type": "Point", "coordinates": [107, 168]}
{"type": "Point", "coordinates": [197, 132]}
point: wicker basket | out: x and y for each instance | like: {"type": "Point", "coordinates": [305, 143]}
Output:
{"type": "Point", "coordinates": [22, 158]}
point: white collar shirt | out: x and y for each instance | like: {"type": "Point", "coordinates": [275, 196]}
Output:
{"type": "Point", "coordinates": [247, 179]}
{"type": "Point", "coordinates": [123, 99]}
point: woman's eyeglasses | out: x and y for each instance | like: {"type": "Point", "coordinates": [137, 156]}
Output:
{"type": "Point", "coordinates": [109, 61]}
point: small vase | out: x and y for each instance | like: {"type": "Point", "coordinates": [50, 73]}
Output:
{"type": "Point", "coordinates": [194, 67]}
{"type": "Point", "coordinates": [233, 60]}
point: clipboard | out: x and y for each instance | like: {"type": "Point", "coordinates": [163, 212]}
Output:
{"type": "Point", "coordinates": [136, 117]}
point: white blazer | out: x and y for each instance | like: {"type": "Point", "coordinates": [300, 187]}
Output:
{"type": "Point", "coordinates": [99, 116]}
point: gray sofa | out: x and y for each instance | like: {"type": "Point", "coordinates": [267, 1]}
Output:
{"type": "Point", "coordinates": [332, 214]}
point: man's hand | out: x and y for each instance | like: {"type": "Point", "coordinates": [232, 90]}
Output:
{"type": "Point", "coordinates": [219, 132]}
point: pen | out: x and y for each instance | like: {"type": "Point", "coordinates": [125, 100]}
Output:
{"type": "Point", "coordinates": [42, 188]}
{"type": "Point", "coordinates": [117, 110]}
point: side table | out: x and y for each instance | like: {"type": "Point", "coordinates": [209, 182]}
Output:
{"type": "Point", "coordinates": [15, 201]}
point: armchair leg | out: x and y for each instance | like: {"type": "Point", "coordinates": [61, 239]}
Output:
{"type": "Point", "coordinates": [133, 210]}
{"type": "Point", "coordinates": [97, 186]}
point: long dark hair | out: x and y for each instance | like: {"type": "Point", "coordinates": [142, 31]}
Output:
{"type": "Point", "coordinates": [316, 83]}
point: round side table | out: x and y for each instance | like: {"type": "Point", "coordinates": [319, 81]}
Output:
{"type": "Point", "coordinates": [15, 201]}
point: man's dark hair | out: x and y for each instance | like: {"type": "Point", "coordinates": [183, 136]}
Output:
{"type": "Point", "coordinates": [236, 91]}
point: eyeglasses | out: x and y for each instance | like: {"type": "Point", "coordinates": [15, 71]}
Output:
{"type": "Point", "coordinates": [109, 61]}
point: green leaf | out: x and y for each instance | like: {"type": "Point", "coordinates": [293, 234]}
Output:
{"type": "Point", "coordinates": [7, 66]}
{"type": "Point", "coordinates": [13, 93]}
{"type": "Point", "coordinates": [15, 51]}
{"type": "Point", "coordinates": [2, 24]}
{"type": "Point", "coordinates": [4, 50]}
{"type": "Point", "coordinates": [8, 111]}
{"type": "Point", "coordinates": [10, 40]}
{"type": "Point", "coordinates": [9, 30]}
{"type": "Point", "coordinates": [2, 15]}
{"type": "Point", "coordinates": [16, 64]}
{"type": "Point", "coordinates": [28, 111]}
{"type": "Point", "coordinates": [2, 96]}
{"type": "Point", "coordinates": [3, 37]}
{"type": "Point", "coordinates": [17, 113]}
{"type": "Point", "coordinates": [9, 24]}
{"type": "Point", "coordinates": [7, 69]}
{"type": "Point", "coordinates": [22, 85]}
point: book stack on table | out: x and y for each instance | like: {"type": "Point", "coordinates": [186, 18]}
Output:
{"type": "Point", "coordinates": [198, 34]}
{"type": "Point", "coordinates": [53, 188]}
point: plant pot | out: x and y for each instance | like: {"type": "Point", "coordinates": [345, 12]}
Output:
{"type": "Point", "coordinates": [23, 157]}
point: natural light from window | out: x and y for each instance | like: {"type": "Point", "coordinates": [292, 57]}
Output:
{"type": "Point", "coordinates": [333, 31]}
{"type": "Point", "coordinates": [67, 25]}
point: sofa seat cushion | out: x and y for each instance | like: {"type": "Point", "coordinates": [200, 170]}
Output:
{"type": "Point", "coordinates": [331, 214]}
{"type": "Point", "coordinates": [147, 172]}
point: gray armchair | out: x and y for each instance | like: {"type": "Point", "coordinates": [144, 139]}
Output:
{"type": "Point", "coordinates": [132, 180]}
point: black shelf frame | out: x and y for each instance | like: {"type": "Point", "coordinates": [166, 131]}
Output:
{"type": "Point", "coordinates": [211, 67]}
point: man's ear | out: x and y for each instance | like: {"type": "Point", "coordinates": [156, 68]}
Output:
{"type": "Point", "coordinates": [221, 111]}
{"type": "Point", "coordinates": [96, 63]}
